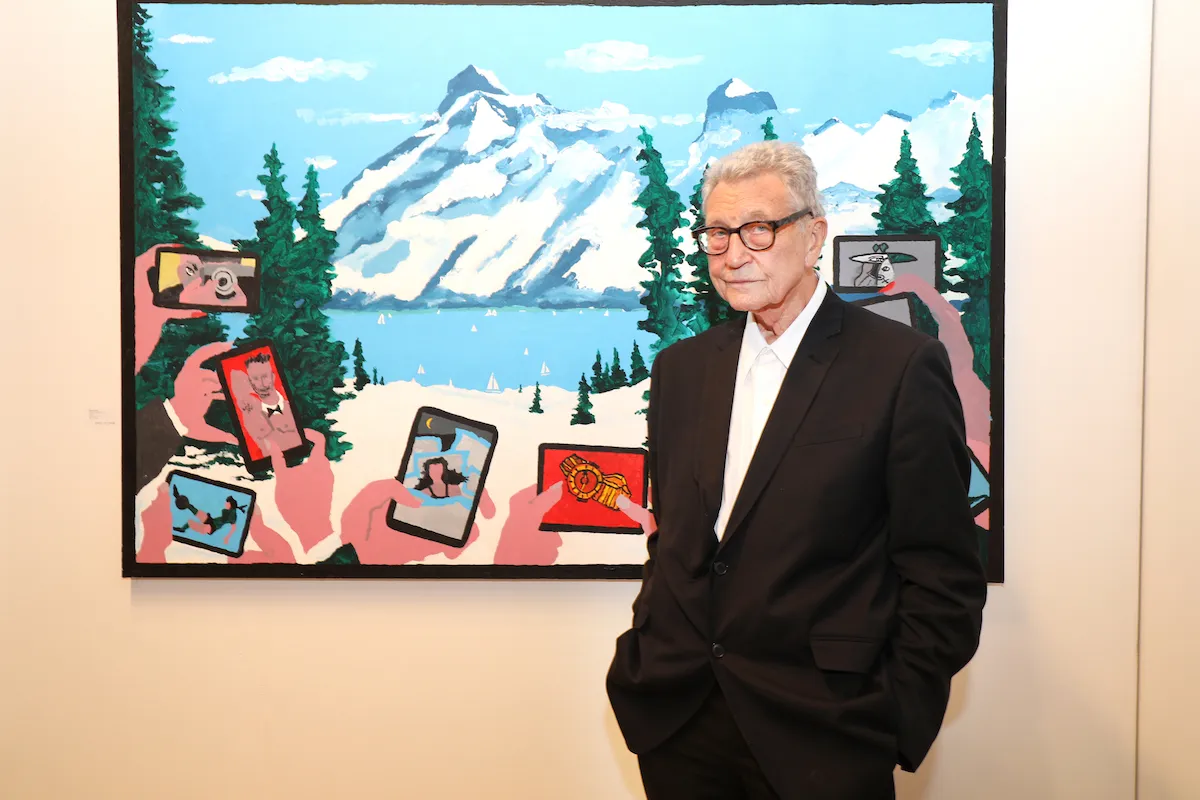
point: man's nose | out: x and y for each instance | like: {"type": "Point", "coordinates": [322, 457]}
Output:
{"type": "Point", "coordinates": [736, 254]}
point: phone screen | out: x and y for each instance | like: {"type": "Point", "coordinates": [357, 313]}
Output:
{"type": "Point", "coordinates": [215, 280]}
{"type": "Point", "coordinates": [446, 462]}
{"type": "Point", "coordinates": [262, 403]}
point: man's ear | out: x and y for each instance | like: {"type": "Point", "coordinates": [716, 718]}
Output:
{"type": "Point", "coordinates": [817, 231]}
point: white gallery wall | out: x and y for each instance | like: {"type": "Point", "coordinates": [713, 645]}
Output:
{"type": "Point", "coordinates": [452, 689]}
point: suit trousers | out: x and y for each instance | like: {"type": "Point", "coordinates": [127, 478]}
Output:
{"type": "Point", "coordinates": [706, 759]}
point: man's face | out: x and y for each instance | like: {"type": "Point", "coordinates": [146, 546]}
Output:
{"type": "Point", "coordinates": [752, 280]}
{"type": "Point", "coordinates": [262, 378]}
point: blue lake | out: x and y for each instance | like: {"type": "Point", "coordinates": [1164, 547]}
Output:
{"type": "Point", "coordinates": [447, 349]}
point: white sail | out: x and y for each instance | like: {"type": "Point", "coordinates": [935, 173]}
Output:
{"type": "Point", "coordinates": [493, 386]}
{"type": "Point", "coordinates": [526, 351]}
{"type": "Point", "coordinates": [474, 329]}
{"type": "Point", "coordinates": [450, 382]}
{"type": "Point", "coordinates": [545, 369]}
{"type": "Point", "coordinates": [380, 321]}
{"type": "Point", "coordinates": [420, 369]}
{"type": "Point", "coordinates": [606, 312]}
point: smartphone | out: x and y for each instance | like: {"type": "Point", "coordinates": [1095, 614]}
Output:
{"type": "Point", "coordinates": [592, 477]}
{"type": "Point", "coordinates": [445, 466]}
{"type": "Point", "coordinates": [263, 404]}
{"type": "Point", "coordinates": [209, 514]}
{"type": "Point", "coordinates": [209, 280]}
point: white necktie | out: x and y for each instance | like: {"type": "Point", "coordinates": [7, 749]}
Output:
{"type": "Point", "coordinates": [762, 386]}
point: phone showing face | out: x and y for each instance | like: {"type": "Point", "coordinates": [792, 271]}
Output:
{"type": "Point", "coordinates": [209, 280]}
{"type": "Point", "coordinates": [263, 405]}
{"type": "Point", "coordinates": [445, 466]}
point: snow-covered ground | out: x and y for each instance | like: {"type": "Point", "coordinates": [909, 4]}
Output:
{"type": "Point", "coordinates": [377, 421]}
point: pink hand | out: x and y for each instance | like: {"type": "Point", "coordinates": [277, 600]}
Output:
{"type": "Point", "coordinates": [975, 397]}
{"type": "Point", "coordinates": [521, 542]}
{"type": "Point", "coordinates": [272, 548]}
{"type": "Point", "coordinates": [304, 493]}
{"type": "Point", "coordinates": [639, 514]}
{"type": "Point", "coordinates": [195, 390]}
{"type": "Point", "coordinates": [364, 525]}
{"type": "Point", "coordinates": [156, 529]}
{"type": "Point", "coordinates": [148, 318]}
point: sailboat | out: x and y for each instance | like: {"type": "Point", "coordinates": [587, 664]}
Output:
{"type": "Point", "coordinates": [491, 312]}
{"type": "Point", "coordinates": [389, 315]}
{"type": "Point", "coordinates": [545, 369]}
{"type": "Point", "coordinates": [420, 369]}
{"type": "Point", "coordinates": [526, 351]}
{"type": "Point", "coordinates": [553, 313]}
{"type": "Point", "coordinates": [438, 311]}
{"type": "Point", "coordinates": [474, 329]}
{"type": "Point", "coordinates": [380, 321]}
{"type": "Point", "coordinates": [450, 382]}
{"type": "Point", "coordinates": [606, 312]}
{"type": "Point", "coordinates": [493, 386]}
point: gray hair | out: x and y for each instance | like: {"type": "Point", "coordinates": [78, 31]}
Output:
{"type": "Point", "coordinates": [785, 159]}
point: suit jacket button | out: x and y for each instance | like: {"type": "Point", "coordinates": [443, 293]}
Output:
{"type": "Point", "coordinates": [718, 651]}
{"type": "Point", "coordinates": [720, 567]}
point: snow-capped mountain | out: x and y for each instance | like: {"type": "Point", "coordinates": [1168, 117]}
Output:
{"type": "Point", "coordinates": [733, 116]}
{"type": "Point", "coordinates": [503, 198]}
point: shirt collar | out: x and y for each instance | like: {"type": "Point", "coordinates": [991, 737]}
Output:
{"type": "Point", "coordinates": [784, 346]}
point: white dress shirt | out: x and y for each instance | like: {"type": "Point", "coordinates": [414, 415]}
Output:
{"type": "Point", "coordinates": [760, 372]}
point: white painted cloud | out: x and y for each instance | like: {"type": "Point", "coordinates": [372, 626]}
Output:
{"type": "Point", "coordinates": [791, 111]}
{"type": "Point", "coordinates": [615, 56]}
{"type": "Point", "coordinates": [344, 116]}
{"type": "Point", "coordinates": [282, 68]}
{"type": "Point", "coordinates": [185, 38]}
{"type": "Point", "coordinates": [811, 125]}
{"type": "Point", "coordinates": [944, 52]}
{"type": "Point", "coordinates": [608, 117]}
{"type": "Point", "coordinates": [253, 194]}
{"type": "Point", "coordinates": [321, 162]}
{"type": "Point", "coordinates": [677, 119]}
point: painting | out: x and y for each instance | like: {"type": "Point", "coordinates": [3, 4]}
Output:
{"type": "Point", "coordinates": [394, 275]}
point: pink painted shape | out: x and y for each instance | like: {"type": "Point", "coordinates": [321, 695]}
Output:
{"type": "Point", "coordinates": [521, 542]}
{"type": "Point", "coordinates": [304, 493]}
{"type": "Point", "coordinates": [148, 318]}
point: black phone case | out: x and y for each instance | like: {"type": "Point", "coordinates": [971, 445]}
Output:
{"type": "Point", "coordinates": [252, 295]}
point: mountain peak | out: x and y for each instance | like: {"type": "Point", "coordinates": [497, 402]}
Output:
{"type": "Point", "coordinates": [735, 95]}
{"type": "Point", "coordinates": [829, 123]}
{"type": "Point", "coordinates": [898, 115]}
{"type": "Point", "coordinates": [471, 79]}
{"type": "Point", "coordinates": [950, 97]}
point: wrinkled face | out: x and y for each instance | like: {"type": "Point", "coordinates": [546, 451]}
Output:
{"type": "Point", "coordinates": [215, 284]}
{"type": "Point", "coordinates": [756, 280]}
{"type": "Point", "coordinates": [262, 378]}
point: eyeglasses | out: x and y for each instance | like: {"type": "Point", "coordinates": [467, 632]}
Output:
{"type": "Point", "coordinates": [756, 234]}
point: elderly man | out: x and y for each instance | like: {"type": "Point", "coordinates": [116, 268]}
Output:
{"type": "Point", "coordinates": [814, 582]}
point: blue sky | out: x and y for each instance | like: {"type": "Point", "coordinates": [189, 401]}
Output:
{"type": "Point", "coordinates": [384, 66]}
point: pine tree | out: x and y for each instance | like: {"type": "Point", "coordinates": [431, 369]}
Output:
{"type": "Point", "coordinates": [160, 205]}
{"type": "Point", "coordinates": [904, 206]}
{"type": "Point", "coordinates": [583, 409]}
{"type": "Point", "coordinates": [374, 376]}
{"type": "Point", "coordinates": [295, 283]}
{"type": "Point", "coordinates": [969, 237]}
{"type": "Point", "coordinates": [768, 130]}
{"type": "Point", "coordinates": [599, 376]}
{"type": "Point", "coordinates": [382, 382]}
{"type": "Point", "coordinates": [361, 378]}
{"type": "Point", "coordinates": [664, 297]}
{"type": "Point", "coordinates": [616, 376]}
{"type": "Point", "coordinates": [536, 407]}
{"type": "Point", "coordinates": [708, 307]}
{"type": "Point", "coordinates": [637, 367]}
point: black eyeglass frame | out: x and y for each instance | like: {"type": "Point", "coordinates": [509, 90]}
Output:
{"type": "Point", "coordinates": [775, 225]}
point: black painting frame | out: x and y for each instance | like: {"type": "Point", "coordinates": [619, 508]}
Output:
{"type": "Point", "coordinates": [132, 569]}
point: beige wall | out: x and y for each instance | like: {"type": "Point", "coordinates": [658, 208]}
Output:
{"type": "Point", "coordinates": [1170, 635]}
{"type": "Point", "coordinates": [112, 688]}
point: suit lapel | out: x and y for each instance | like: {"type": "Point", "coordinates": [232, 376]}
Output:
{"type": "Point", "coordinates": [716, 406]}
{"type": "Point", "coordinates": [808, 369]}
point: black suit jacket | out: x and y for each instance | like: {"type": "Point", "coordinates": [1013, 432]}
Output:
{"type": "Point", "coordinates": [848, 588]}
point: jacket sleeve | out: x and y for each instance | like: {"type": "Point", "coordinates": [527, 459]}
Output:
{"type": "Point", "coordinates": [933, 548]}
{"type": "Point", "coordinates": [156, 441]}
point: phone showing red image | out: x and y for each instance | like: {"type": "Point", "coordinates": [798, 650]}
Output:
{"type": "Point", "coordinates": [263, 405]}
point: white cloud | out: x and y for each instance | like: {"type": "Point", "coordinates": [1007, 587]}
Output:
{"type": "Point", "coordinates": [186, 38]}
{"type": "Point", "coordinates": [677, 119]}
{"type": "Point", "coordinates": [344, 116]}
{"type": "Point", "coordinates": [944, 52]}
{"type": "Point", "coordinates": [811, 125]}
{"type": "Point", "coordinates": [321, 162]}
{"type": "Point", "coordinates": [253, 194]}
{"type": "Point", "coordinates": [282, 68]}
{"type": "Point", "coordinates": [615, 56]}
{"type": "Point", "coordinates": [608, 117]}
{"type": "Point", "coordinates": [863, 125]}
{"type": "Point", "coordinates": [791, 111]}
